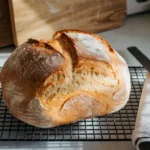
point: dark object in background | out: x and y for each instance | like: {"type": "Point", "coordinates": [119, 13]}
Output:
{"type": "Point", "coordinates": [140, 57]}
{"type": "Point", "coordinates": [5, 24]}
{"type": "Point", "coordinates": [140, 1]}
{"type": "Point", "coordinates": [144, 146]}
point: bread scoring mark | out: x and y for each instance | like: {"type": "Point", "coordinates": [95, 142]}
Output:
{"type": "Point", "coordinates": [111, 49]}
{"type": "Point", "coordinates": [68, 46]}
{"type": "Point", "coordinates": [88, 45]}
{"type": "Point", "coordinates": [82, 106]}
{"type": "Point", "coordinates": [76, 105]}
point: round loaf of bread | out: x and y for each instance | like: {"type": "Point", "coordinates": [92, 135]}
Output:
{"type": "Point", "coordinates": [73, 76]}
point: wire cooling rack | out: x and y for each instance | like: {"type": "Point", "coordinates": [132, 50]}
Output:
{"type": "Point", "coordinates": [113, 127]}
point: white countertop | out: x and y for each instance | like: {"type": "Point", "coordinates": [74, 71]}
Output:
{"type": "Point", "coordinates": [134, 32]}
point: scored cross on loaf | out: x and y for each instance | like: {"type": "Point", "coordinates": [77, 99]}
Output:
{"type": "Point", "coordinates": [73, 76]}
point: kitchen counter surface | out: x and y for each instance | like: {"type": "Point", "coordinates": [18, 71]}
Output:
{"type": "Point", "coordinates": [68, 145]}
{"type": "Point", "coordinates": [134, 32]}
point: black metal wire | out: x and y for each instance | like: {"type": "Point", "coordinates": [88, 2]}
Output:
{"type": "Point", "coordinates": [114, 127]}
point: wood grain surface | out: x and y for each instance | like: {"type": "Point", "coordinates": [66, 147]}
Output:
{"type": "Point", "coordinates": [41, 18]}
{"type": "Point", "coordinates": [5, 24]}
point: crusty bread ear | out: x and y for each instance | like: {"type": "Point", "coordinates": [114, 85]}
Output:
{"type": "Point", "coordinates": [73, 76]}
{"type": "Point", "coordinates": [68, 45]}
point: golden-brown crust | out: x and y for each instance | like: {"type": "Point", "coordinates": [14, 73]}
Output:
{"type": "Point", "coordinates": [73, 76]}
{"type": "Point", "coordinates": [88, 33]}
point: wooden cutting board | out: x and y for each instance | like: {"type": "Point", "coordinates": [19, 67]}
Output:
{"type": "Point", "coordinates": [5, 24]}
{"type": "Point", "coordinates": [41, 18]}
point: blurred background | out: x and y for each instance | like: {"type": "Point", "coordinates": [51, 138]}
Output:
{"type": "Point", "coordinates": [122, 23]}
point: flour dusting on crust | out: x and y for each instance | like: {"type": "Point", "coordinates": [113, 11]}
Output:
{"type": "Point", "coordinates": [73, 76]}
